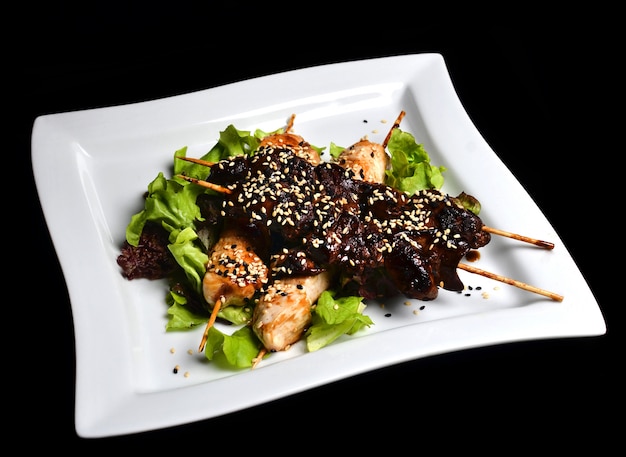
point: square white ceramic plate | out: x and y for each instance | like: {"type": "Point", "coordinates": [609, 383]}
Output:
{"type": "Point", "coordinates": [92, 167]}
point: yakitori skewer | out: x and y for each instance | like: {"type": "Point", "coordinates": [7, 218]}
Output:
{"type": "Point", "coordinates": [515, 236]}
{"type": "Point", "coordinates": [465, 267]}
{"type": "Point", "coordinates": [198, 161]}
{"type": "Point", "coordinates": [512, 282]}
{"type": "Point", "coordinates": [395, 125]}
{"type": "Point", "coordinates": [208, 185]}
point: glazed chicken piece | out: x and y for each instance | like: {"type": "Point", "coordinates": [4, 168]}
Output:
{"type": "Point", "coordinates": [234, 271]}
{"type": "Point", "coordinates": [368, 161]}
{"type": "Point", "coordinates": [284, 312]}
{"type": "Point", "coordinates": [294, 142]}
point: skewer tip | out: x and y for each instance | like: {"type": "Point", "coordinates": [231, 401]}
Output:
{"type": "Point", "coordinates": [395, 125]}
{"type": "Point", "coordinates": [197, 161]}
{"type": "Point", "coordinates": [208, 185]}
{"type": "Point", "coordinates": [515, 236]}
{"type": "Point", "coordinates": [512, 282]}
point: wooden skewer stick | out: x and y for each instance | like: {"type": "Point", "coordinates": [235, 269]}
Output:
{"type": "Point", "coordinates": [208, 185]}
{"type": "Point", "coordinates": [290, 123]}
{"type": "Point", "coordinates": [393, 127]}
{"type": "Point", "coordinates": [515, 236]}
{"type": "Point", "coordinates": [198, 161]}
{"type": "Point", "coordinates": [511, 282]}
{"type": "Point", "coordinates": [259, 357]}
{"type": "Point", "coordinates": [216, 309]}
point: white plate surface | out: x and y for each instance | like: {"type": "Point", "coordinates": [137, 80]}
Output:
{"type": "Point", "coordinates": [92, 167]}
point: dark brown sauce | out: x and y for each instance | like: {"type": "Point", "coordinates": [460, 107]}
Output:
{"type": "Point", "coordinates": [472, 256]}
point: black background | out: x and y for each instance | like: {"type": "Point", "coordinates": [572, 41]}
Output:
{"type": "Point", "coordinates": [523, 83]}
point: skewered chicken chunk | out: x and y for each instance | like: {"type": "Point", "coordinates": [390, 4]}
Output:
{"type": "Point", "coordinates": [284, 312]}
{"type": "Point", "coordinates": [366, 159]}
{"type": "Point", "coordinates": [234, 272]}
{"type": "Point", "coordinates": [293, 142]}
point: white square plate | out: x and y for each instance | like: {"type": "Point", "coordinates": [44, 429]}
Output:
{"type": "Point", "coordinates": [91, 168]}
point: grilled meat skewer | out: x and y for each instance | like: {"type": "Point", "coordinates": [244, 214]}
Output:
{"type": "Point", "coordinates": [351, 224]}
{"type": "Point", "coordinates": [282, 315]}
{"type": "Point", "coordinates": [235, 273]}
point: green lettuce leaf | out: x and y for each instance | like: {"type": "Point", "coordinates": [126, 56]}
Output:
{"type": "Point", "coordinates": [335, 150]}
{"type": "Point", "coordinates": [189, 255]}
{"type": "Point", "coordinates": [181, 317]}
{"type": "Point", "coordinates": [469, 202]}
{"type": "Point", "coordinates": [410, 169]}
{"type": "Point", "coordinates": [236, 350]}
{"type": "Point", "coordinates": [238, 315]}
{"type": "Point", "coordinates": [170, 203]}
{"type": "Point", "coordinates": [233, 142]}
{"type": "Point", "coordinates": [335, 317]}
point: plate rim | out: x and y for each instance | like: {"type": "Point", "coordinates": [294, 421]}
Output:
{"type": "Point", "coordinates": [118, 396]}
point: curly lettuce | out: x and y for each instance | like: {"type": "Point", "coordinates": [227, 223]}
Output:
{"type": "Point", "coordinates": [410, 169]}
